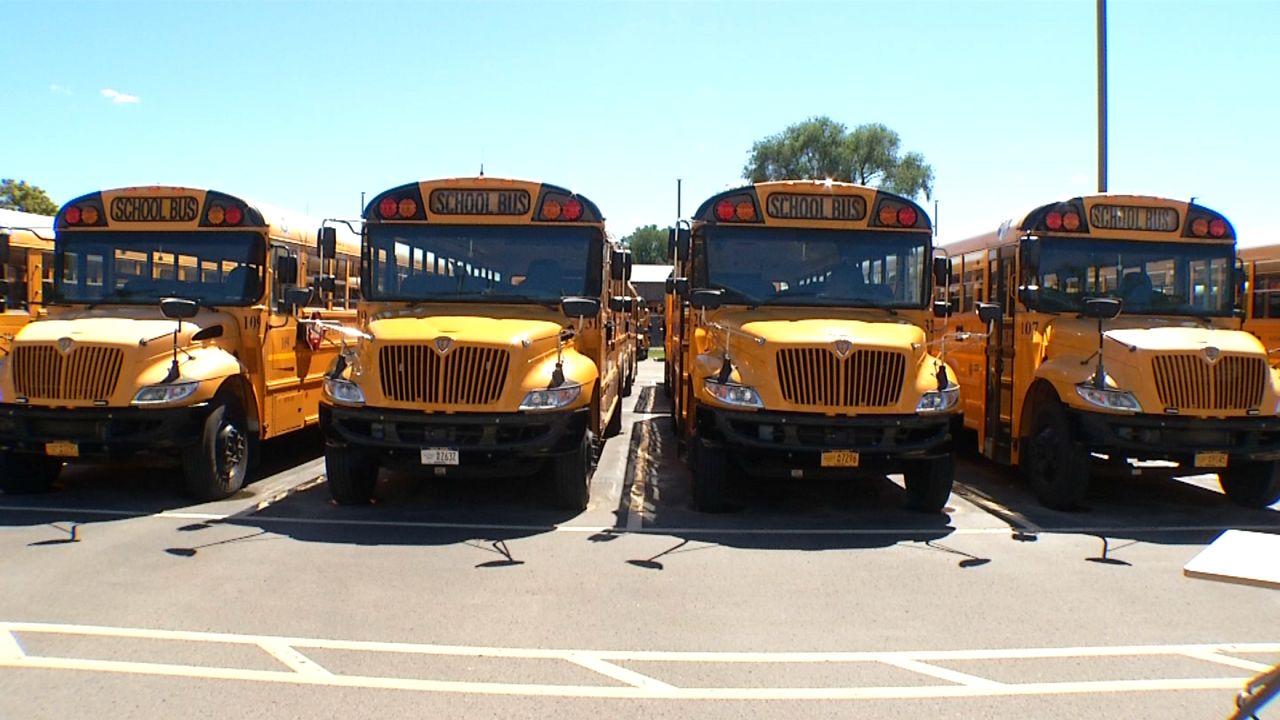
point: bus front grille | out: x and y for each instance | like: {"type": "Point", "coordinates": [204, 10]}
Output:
{"type": "Point", "coordinates": [1188, 382]}
{"type": "Point", "coordinates": [461, 376]}
{"type": "Point", "coordinates": [819, 377]}
{"type": "Point", "coordinates": [42, 372]}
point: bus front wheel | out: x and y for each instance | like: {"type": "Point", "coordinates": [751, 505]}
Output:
{"type": "Point", "coordinates": [929, 483]}
{"type": "Point", "coordinates": [22, 474]}
{"type": "Point", "coordinates": [571, 475]}
{"type": "Point", "coordinates": [1252, 484]}
{"type": "Point", "coordinates": [350, 474]}
{"type": "Point", "coordinates": [1058, 473]}
{"type": "Point", "coordinates": [217, 465]}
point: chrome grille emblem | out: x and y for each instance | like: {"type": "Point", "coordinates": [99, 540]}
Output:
{"type": "Point", "coordinates": [64, 345]}
{"type": "Point", "coordinates": [843, 347]}
{"type": "Point", "coordinates": [443, 343]}
{"type": "Point", "coordinates": [1211, 354]}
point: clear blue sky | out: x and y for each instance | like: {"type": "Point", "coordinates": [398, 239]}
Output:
{"type": "Point", "coordinates": [306, 105]}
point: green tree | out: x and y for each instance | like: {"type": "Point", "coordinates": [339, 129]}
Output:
{"type": "Point", "coordinates": [18, 195]}
{"type": "Point", "coordinates": [648, 245]}
{"type": "Point", "coordinates": [821, 148]}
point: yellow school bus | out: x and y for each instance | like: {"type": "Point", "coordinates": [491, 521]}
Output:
{"type": "Point", "coordinates": [805, 349]}
{"type": "Point", "coordinates": [170, 333]}
{"type": "Point", "coordinates": [488, 344]}
{"type": "Point", "coordinates": [1262, 301]}
{"type": "Point", "coordinates": [1110, 336]}
{"type": "Point", "coordinates": [26, 254]}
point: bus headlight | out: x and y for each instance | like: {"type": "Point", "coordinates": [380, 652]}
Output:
{"type": "Point", "coordinates": [343, 392]}
{"type": "Point", "coordinates": [165, 394]}
{"type": "Point", "coordinates": [551, 398]}
{"type": "Point", "coordinates": [1109, 399]}
{"type": "Point", "coordinates": [935, 401]}
{"type": "Point", "coordinates": [730, 394]}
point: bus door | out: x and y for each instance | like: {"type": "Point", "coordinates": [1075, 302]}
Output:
{"type": "Point", "coordinates": [1001, 288]}
{"type": "Point", "coordinates": [285, 356]}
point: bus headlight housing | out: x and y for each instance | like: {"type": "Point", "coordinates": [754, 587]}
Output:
{"type": "Point", "coordinates": [1108, 398]}
{"type": "Point", "coordinates": [935, 401]}
{"type": "Point", "coordinates": [731, 394]}
{"type": "Point", "coordinates": [165, 394]}
{"type": "Point", "coordinates": [343, 392]}
{"type": "Point", "coordinates": [551, 398]}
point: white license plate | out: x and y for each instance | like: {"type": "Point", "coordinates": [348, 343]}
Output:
{"type": "Point", "coordinates": [439, 456]}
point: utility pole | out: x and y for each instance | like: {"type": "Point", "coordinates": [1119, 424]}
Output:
{"type": "Point", "coordinates": [678, 193]}
{"type": "Point", "coordinates": [1102, 96]}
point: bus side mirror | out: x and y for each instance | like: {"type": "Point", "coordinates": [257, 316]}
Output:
{"type": "Point", "coordinates": [287, 270]}
{"type": "Point", "coordinates": [615, 303]}
{"type": "Point", "coordinates": [682, 288]}
{"type": "Point", "coordinates": [941, 308]}
{"type": "Point", "coordinates": [705, 299]}
{"type": "Point", "coordinates": [179, 308]}
{"type": "Point", "coordinates": [628, 304]}
{"type": "Point", "coordinates": [4, 248]}
{"type": "Point", "coordinates": [296, 297]}
{"type": "Point", "coordinates": [1101, 308]}
{"type": "Point", "coordinates": [327, 241]}
{"type": "Point", "coordinates": [326, 284]}
{"type": "Point", "coordinates": [669, 286]}
{"type": "Point", "coordinates": [682, 244]}
{"type": "Point", "coordinates": [990, 312]}
{"type": "Point", "coordinates": [580, 307]}
{"type": "Point", "coordinates": [626, 265]}
{"type": "Point", "coordinates": [617, 265]}
{"type": "Point", "coordinates": [941, 271]}
{"type": "Point", "coordinates": [1029, 295]}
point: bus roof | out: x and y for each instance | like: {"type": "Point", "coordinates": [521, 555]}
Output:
{"type": "Point", "coordinates": [497, 200]}
{"type": "Point", "coordinates": [875, 198]}
{"type": "Point", "coordinates": [1095, 207]}
{"type": "Point", "coordinates": [27, 229]}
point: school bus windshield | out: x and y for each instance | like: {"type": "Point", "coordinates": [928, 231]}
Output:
{"type": "Point", "coordinates": [857, 268]}
{"type": "Point", "coordinates": [519, 264]}
{"type": "Point", "coordinates": [222, 268]}
{"type": "Point", "coordinates": [1148, 278]}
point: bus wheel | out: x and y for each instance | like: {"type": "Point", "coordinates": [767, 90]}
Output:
{"type": "Point", "coordinates": [216, 466]}
{"type": "Point", "coordinates": [710, 470]}
{"type": "Point", "coordinates": [1059, 475]}
{"type": "Point", "coordinates": [571, 476]}
{"type": "Point", "coordinates": [929, 483]}
{"type": "Point", "coordinates": [22, 474]}
{"type": "Point", "coordinates": [350, 474]}
{"type": "Point", "coordinates": [629, 381]}
{"type": "Point", "coordinates": [1252, 484]}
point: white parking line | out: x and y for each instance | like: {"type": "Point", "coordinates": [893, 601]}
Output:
{"type": "Point", "coordinates": [1234, 662]}
{"type": "Point", "coordinates": [9, 647]}
{"type": "Point", "coordinates": [304, 671]}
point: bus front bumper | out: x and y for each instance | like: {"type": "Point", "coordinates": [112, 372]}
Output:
{"type": "Point", "coordinates": [782, 443]}
{"type": "Point", "coordinates": [487, 443]}
{"type": "Point", "coordinates": [101, 433]}
{"type": "Point", "coordinates": [1176, 438]}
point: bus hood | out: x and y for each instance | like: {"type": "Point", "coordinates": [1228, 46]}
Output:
{"type": "Point", "coordinates": [860, 329]}
{"type": "Point", "coordinates": [143, 328]}
{"type": "Point", "coordinates": [465, 329]}
{"type": "Point", "coordinates": [1181, 368]}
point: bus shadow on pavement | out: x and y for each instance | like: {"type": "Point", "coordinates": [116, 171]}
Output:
{"type": "Point", "coordinates": [1158, 505]}
{"type": "Point", "coordinates": [769, 513]}
{"type": "Point", "coordinates": [87, 493]}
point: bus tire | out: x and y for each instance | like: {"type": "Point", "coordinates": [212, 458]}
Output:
{"type": "Point", "coordinates": [571, 476]}
{"type": "Point", "coordinates": [1057, 472]}
{"type": "Point", "coordinates": [710, 477]}
{"type": "Point", "coordinates": [350, 474]}
{"type": "Point", "coordinates": [24, 474]}
{"type": "Point", "coordinates": [217, 465]}
{"type": "Point", "coordinates": [1252, 484]}
{"type": "Point", "coordinates": [929, 483]}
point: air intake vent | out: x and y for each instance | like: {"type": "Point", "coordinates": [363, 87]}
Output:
{"type": "Point", "coordinates": [1188, 382]}
{"type": "Point", "coordinates": [42, 372]}
{"type": "Point", "coordinates": [467, 376]}
{"type": "Point", "coordinates": [818, 377]}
